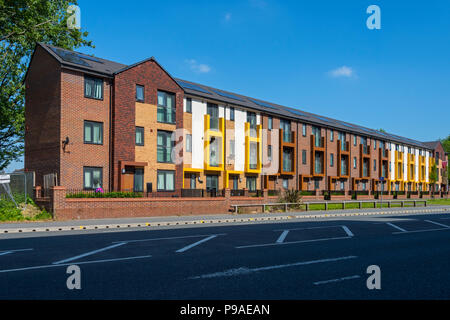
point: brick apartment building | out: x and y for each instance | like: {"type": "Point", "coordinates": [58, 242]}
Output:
{"type": "Point", "coordinates": [97, 123]}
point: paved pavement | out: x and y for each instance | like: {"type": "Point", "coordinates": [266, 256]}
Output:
{"type": "Point", "coordinates": [300, 259]}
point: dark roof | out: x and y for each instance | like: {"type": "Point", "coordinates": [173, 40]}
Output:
{"type": "Point", "coordinates": [432, 144]}
{"type": "Point", "coordinates": [110, 68]}
{"type": "Point", "coordinates": [207, 92]}
{"type": "Point", "coordinates": [83, 61]}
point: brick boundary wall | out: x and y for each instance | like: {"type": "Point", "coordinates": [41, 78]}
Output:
{"type": "Point", "coordinates": [97, 208]}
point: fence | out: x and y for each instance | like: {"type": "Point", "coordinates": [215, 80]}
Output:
{"type": "Point", "coordinates": [16, 187]}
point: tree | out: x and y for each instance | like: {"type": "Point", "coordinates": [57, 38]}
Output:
{"type": "Point", "coordinates": [432, 177]}
{"type": "Point", "coordinates": [382, 130]}
{"type": "Point", "coordinates": [22, 24]}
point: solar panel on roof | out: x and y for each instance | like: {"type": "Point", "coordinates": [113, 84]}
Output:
{"type": "Point", "coordinates": [228, 95]}
{"type": "Point", "coordinates": [192, 87]}
{"type": "Point", "coordinates": [298, 112]}
{"type": "Point", "coordinates": [70, 57]}
{"type": "Point", "coordinates": [83, 56]}
{"type": "Point", "coordinates": [323, 119]}
{"type": "Point", "coordinates": [263, 104]}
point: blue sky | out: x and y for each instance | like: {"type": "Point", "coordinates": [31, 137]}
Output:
{"type": "Point", "coordinates": [318, 56]}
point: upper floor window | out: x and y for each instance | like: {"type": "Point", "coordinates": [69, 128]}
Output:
{"type": "Point", "coordinates": [303, 156]}
{"type": "Point", "coordinates": [189, 105]}
{"type": "Point", "coordinates": [93, 132]}
{"type": "Point", "coordinates": [270, 123]}
{"type": "Point", "coordinates": [374, 144]}
{"type": "Point", "coordinates": [355, 138]}
{"type": "Point", "coordinates": [285, 125]}
{"type": "Point", "coordinates": [139, 93]}
{"type": "Point", "coordinates": [251, 118]}
{"type": "Point", "coordinates": [93, 88]}
{"type": "Point", "coordinates": [139, 136]}
{"type": "Point", "coordinates": [331, 135]}
{"type": "Point", "coordinates": [354, 162]}
{"type": "Point", "coordinates": [304, 130]}
{"type": "Point", "coordinates": [166, 107]}
{"type": "Point", "coordinates": [164, 147]}
{"type": "Point", "coordinates": [212, 110]}
{"type": "Point", "coordinates": [232, 149]}
{"type": "Point", "coordinates": [231, 114]}
{"type": "Point", "coordinates": [269, 152]}
{"type": "Point", "coordinates": [331, 159]}
{"type": "Point", "coordinates": [189, 143]}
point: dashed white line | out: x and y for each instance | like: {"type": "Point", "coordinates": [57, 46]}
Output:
{"type": "Point", "coordinates": [67, 264]}
{"type": "Point", "coordinates": [282, 236]}
{"type": "Point", "coordinates": [5, 253]}
{"type": "Point", "coordinates": [336, 280]}
{"type": "Point", "coordinates": [396, 227]}
{"type": "Point", "coordinates": [347, 231]}
{"type": "Point", "coordinates": [90, 253]}
{"type": "Point", "coordinates": [196, 244]}
{"type": "Point", "coordinates": [246, 270]}
{"type": "Point", "coordinates": [170, 238]}
{"type": "Point", "coordinates": [290, 242]}
{"type": "Point", "coordinates": [437, 223]}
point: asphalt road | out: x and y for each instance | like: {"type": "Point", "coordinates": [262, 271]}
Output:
{"type": "Point", "coordinates": [324, 259]}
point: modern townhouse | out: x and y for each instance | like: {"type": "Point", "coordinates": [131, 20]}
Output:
{"type": "Point", "coordinates": [96, 123]}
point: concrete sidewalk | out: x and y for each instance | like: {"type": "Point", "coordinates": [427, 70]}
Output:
{"type": "Point", "coordinates": [142, 222]}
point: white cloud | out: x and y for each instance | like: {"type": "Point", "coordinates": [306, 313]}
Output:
{"type": "Point", "coordinates": [198, 67]}
{"type": "Point", "coordinates": [343, 71]}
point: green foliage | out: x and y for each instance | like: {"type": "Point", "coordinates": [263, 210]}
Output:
{"type": "Point", "coordinates": [432, 176]}
{"type": "Point", "coordinates": [9, 212]}
{"type": "Point", "coordinates": [22, 24]}
{"type": "Point", "coordinates": [446, 144]}
{"type": "Point", "coordinates": [291, 196]}
{"type": "Point", "coordinates": [114, 194]}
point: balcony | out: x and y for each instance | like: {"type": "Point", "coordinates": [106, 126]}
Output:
{"type": "Point", "coordinates": [288, 152]}
{"type": "Point", "coordinates": [253, 151]}
{"type": "Point", "coordinates": [214, 144]}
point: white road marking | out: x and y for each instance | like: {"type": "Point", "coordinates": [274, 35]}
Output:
{"type": "Point", "coordinates": [90, 253]}
{"type": "Point", "coordinates": [196, 244]}
{"type": "Point", "coordinates": [5, 253]}
{"type": "Point", "coordinates": [347, 231]}
{"type": "Point", "coordinates": [283, 236]}
{"type": "Point", "coordinates": [17, 250]}
{"type": "Point", "coordinates": [291, 242]}
{"type": "Point", "coordinates": [396, 227]}
{"type": "Point", "coordinates": [246, 270]}
{"type": "Point", "coordinates": [68, 264]}
{"type": "Point", "coordinates": [170, 238]}
{"type": "Point", "coordinates": [427, 230]}
{"type": "Point", "coordinates": [437, 223]}
{"type": "Point", "coordinates": [310, 228]}
{"type": "Point", "coordinates": [337, 280]}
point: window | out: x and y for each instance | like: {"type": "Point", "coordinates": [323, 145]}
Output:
{"type": "Point", "coordinates": [318, 162]}
{"type": "Point", "coordinates": [166, 180]}
{"type": "Point", "coordinates": [232, 149]}
{"type": "Point", "coordinates": [188, 105]}
{"type": "Point", "coordinates": [93, 88]}
{"type": "Point", "coordinates": [166, 107]}
{"type": "Point", "coordinates": [342, 185]}
{"type": "Point", "coordinates": [92, 178]}
{"type": "Point", "coordinates": [231, 114]}
{"type": "Point", "coordinates": [374, 144]}
{"type": "Point", "coordinates": [304, 130]}
{"type": "Point", "coordinates": [316, 184]}
{"type": "Point", "coordinates": [139, 136]}
{"type": "Point", "coordinates": [253, 155]}
{"type": "Point", "coordinates": [303, 156]}
{"type": "Point", "coordinates": [287, 160]}
{"type": "Point", "coordinates": [285, 125]}
{"type": "Point", "coordinates": [270, 123]}
{"type": "Point", "coordinates": [286, 184]}
{"type": "Point", "coordinates": [331, 135]}
{"type": "Point", "coordinates": [138, 183]}
{"type": "Point", "coordinates": [212, 183]}
{"type": "Point", "coordinates": [354, 162]}
{"type": "Point", "coordinates": [93, 132]}
{"type": "Point", "coordinates": [193, 181]}
{"type": "Point", "coordinates": [317, 136]}
{"type": "Point", "coordinates": [269, 153]}
{"type": "Point", "coordinates": [251, 118]}
{"type": "Point", "coordinates": [189, 143]}
{"type": "Point", "coordinates": [364, 186]}
{"type": "Point", "coordinates": [251, 183]}
{"type": "Point", "coordinates": [355, 140]}
{"type": "Point", "coordinates": [374, 165]}
{"type": "Point", "coordinates": [139, 93]}
{"type": "Point", "coordinates": [164, 147]}
{"type": "Point", "coordinates": [214, 151]}
{"type": "Point", "coordinates": [331, 159]}
{"type": "Point", "coordinates": [213, 111]}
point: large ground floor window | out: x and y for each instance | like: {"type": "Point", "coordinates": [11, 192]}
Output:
{"type": "Point", "coordinates": [92, 177]}
{"type": "Point", "coordinates": [251, 183]}
{"type": "Point", "coordinates": [166, 180]}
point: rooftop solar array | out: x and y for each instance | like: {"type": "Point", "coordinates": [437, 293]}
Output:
{"type": "Point", "coordinates": [192, 86]}
{"type": "Point", "coordinates": [70, 57]}
{"type": "Point", "coordinates": [298, 112]}
{"type": "Point", "coordinates": [228, 95]}
{"type": "Point", "coordinates": [263, 104]}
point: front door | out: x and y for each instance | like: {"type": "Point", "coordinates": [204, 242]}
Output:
{"type": "Point", "coordinates": [128, 179]}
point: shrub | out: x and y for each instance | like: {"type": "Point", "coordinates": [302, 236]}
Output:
{"type": "Point", "coordinates": [113, 194]}
{"type": "Point", "coordinates": [291, 196]}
